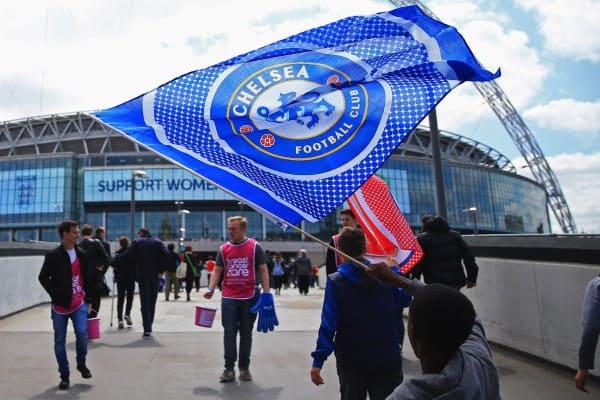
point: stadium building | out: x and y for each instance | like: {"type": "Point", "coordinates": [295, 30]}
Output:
{"type": "Point", "coordinates": [70, 167]}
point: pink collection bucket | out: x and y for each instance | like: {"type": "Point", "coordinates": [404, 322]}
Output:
{"type": "Point", "coordinates": [205, 316]}
{"type": "Point", "coordinates": [93, 328]}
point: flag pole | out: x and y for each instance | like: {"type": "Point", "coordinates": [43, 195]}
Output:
{"type": "Point", "coordinates": [316, 239]}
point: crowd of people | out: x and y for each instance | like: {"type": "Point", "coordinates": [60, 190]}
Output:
{"type": "Point", "coordinates": [362, 316]}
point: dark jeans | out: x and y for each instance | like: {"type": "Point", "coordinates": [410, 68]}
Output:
{"type": "Point", "coordinates": [236, 316]}
{"type": "Point", "coordinates": [303, 283]}
{"type": "Point", "coordinates": [189, 285]}
{"type": "Point", "coordinates": [59, 323]}
{"type": "Point", "coordinates": [148, 294]}
{"type": "Point", "coordinates": [355, 385]}
{"type": "Point", "coordinates": [95, 305]}
{"type": "Point", "coordinates": [125, 290]}
{"type": "Point", "coordinates": [277, 282]}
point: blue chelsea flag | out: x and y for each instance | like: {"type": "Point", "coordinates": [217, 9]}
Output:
{"type": "Point", "coordinates": [295, 127]}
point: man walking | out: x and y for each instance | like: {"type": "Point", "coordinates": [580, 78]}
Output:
{"type": "Point", "coordinates": [170, 277]}
{"type": "Point", "coordinates": [362, 323]}
{"type": "Point", "coordinates": [98, 264]}
{"type": "Point", "coordinates": [243, 261]}
{"type": "Point", "coordinates": [149, 256]}
{"type": "Point", "coordinates": [100, 235]}
{"type": "Point", "coordinates": [66, 277]}
{"type": "Point", "coordinates": [210, 267]}
{"type": "Point", "coordinates": [444, 253]}
{"type": "Point", "coordinates": [124, 272]}
{"type": "Point", "coordinates": [590, 331]}
{"type": "Point", "coordinates": [304, 271]}
{"type": "Point", "coordinates": [333, 259]}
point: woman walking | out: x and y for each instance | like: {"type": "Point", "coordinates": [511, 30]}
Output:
{"type": "Point", "coordinates": [125, 277]}
{"type": "Point", "coordinates": [193, 269]}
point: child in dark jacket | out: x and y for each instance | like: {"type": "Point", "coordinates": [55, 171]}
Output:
{"type": "Point", "coordinates": [362, 323]}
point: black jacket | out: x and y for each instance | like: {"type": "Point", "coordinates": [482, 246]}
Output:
{"type": "Point", "coordinates": [123, 270]}
{"type": "Point", "coordinates": [444, 252]}
{"type": "Point", "coordinates": [104, 244]}
{"type": "Point", "coordinates": [97, 258]}
{"type": "Point", "coordinates": [96, 253]}
{"type": "Point", "coordinates": [55, 276]}
{"type": "Point", "coordinates": [149, 256]}
{"type": "Point", "coordinates": [173, 262]}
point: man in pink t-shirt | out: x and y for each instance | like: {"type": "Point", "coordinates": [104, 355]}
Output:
{"type": "Point", "coordinates": [243, 264]}
{"type": "Point", "coordinates": [65, 276]}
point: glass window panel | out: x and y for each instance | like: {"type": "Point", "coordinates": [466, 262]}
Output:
{"type": "Point", "coordinates": [24, 235]}
{"type": "Point", "coordinates": [49, 235]}
{"type": "Point", "coordinates": [204, 225]}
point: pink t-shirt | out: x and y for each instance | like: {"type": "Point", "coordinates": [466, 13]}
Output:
{"type": "Point", "coordinates": [76, 285]}
{"type": "Point", "coordinates": [239, 281]}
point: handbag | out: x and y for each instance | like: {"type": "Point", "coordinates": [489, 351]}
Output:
{"type": "Point", "coordinates": [181, 270]}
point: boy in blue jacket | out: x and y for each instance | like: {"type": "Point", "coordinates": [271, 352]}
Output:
{"type": "Point", "coordinates": [362, 323]}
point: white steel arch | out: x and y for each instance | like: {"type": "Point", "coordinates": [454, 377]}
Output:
{"type": "Point", "coordinates": [522, 137]}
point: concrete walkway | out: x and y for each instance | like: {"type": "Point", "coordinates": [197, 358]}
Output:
{"type": "Point", "coordinates": [183, 361]}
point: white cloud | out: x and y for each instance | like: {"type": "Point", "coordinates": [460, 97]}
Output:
{"type": "Point", "coordinates": [569, 115]}
{"type": "Point", "coordinates": [495, 46]}
{"type": "Point", "coordinates": [98, 54]}
{"type": "Point", "coordinates": [569, 28]}
{"type": "Point", "coordinates": [578, 176]}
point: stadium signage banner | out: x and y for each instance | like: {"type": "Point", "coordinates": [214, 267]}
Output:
{"type": "Point", "coordinates": [114, 185]}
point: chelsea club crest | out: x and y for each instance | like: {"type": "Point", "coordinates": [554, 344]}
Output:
{"type": "Point", "coordinates": [310, 114]}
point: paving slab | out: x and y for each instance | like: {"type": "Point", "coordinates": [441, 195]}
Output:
{"type": "Point", "coordinates": [184, 361]}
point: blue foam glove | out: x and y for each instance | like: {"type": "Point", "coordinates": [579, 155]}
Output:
{"type": "Point", "coordinates": [267, 319]}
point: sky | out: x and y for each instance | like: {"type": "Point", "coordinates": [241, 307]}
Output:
{"type": "Point", "coordinates": [63, 56]}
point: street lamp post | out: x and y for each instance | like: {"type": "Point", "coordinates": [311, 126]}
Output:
{"type": "Point", "coordinates": [473, 211]}
{"type": "Point", "coordinates": [134, 174]}
{"type": "Point", "coordinates": [182, 213]}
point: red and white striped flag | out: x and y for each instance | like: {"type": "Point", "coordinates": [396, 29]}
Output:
{"type": "Point", "coordinates": [384, 225]}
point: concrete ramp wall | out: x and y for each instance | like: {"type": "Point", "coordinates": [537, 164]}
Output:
{"type": "Point", "coordinates": [534, 307]}
{"type": "Point", "coordinates": [19, 284]}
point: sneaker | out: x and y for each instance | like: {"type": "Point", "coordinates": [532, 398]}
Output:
{"type": "Point", "coordinates": [128, 320]}
{"type": "Point", "coordinates": [245, 375]}
{"type": "Point", "coordinates": [85, 372]}
{"type": "Point", "coordinates": [121, 326]}
{"type": "Point", "coordinates": [227, 376]}
{"type": "Point", "coordinates": [64, 383]}
{"type": "Point", "coordinates": [147, 335]}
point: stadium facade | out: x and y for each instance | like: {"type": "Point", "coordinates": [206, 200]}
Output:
{"type": "Point", "coordinates": [70, 167]}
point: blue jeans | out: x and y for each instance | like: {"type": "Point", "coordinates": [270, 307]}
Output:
{"type": "Point", "coordinates": [236, 316]}
{"type": "Point", "coordinates": [148, 294]}
{"type": "Point", "coordinates": [59, 323]}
